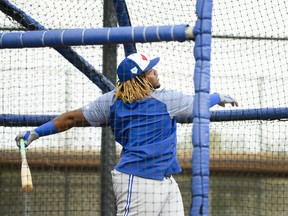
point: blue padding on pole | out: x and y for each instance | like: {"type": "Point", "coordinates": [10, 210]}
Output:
{"type": "Point", "coordinates": [125, 32]}
{"type": "Point", "coordinates": [202, 130]}
{"type": "Point", "coordinates": [38, 38]}
{"type": "Point", "coordinates": [165, 33]}
{"type": "Point", "coordinates": [203, 52]}
{"type": "Point", "coordinates": [204, 9]}
{"type": "Point", "coordinates": [92, 37]}
{"type": "Point", "coordinates": [200, 155]}
{"type": "Point", "coordinates": [198, 187]}
{"type": "Point", "coordinates": [73, 36]}
{"type": "Point", "coordinates": [99, 36]}
{"type": "Point", "coordinates": [201, 113]}
{"type": "Point", "coordinates": [203, 101]}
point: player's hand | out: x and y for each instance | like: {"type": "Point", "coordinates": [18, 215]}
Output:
{"type": "Point", "coordinates": [226, 99]}
{"type": "Point", "coordinates": [28, 136]}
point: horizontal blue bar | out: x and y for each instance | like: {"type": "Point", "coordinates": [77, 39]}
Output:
{"type": "Point", "coordinates": [250, 114]}
{"type": "Point", "coordinates": [97, 36]}
{"type": "Point", "coordinates": [16, 120]}
{"type": "Point", "coordinates": [243, 114]}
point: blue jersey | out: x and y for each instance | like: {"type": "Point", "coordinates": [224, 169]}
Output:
{"type": "Point", "coordinates": [146, 130]}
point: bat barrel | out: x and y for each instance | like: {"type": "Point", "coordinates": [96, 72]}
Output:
{"type": "Point", "coordinates": [26, 177]}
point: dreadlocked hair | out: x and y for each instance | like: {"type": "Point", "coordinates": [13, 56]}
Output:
{"type": "Point", "coordinates": [134, 89]}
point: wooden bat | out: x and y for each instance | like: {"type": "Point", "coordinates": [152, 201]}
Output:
{"type": "Point", "coordinates": [26, 177]}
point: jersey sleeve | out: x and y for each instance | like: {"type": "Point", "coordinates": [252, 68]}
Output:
{"type": "Point", "coordinates": [179, 105]}
{"type": "Point", "coordinates": [97, 113]}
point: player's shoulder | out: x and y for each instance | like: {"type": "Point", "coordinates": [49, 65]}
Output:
{"type": "Point", "coordinates": [162, 93]}
{"type": "Point", "coordinates": [108, 97]}
{"type": "Point", "coordinates": [173, 98]}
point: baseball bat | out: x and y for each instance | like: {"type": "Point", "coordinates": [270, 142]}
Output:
{"type": "Point", "coordinates": [26, 178]}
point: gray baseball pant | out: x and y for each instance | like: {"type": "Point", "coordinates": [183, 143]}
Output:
{"type": "Point", "coordinates": [141, 196]}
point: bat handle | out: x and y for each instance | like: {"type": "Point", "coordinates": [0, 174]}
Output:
{"type": "Point", "coordinates": [22, 149]}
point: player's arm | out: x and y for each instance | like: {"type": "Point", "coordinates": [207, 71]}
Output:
{"type": "Point", "coordinates": [70, 119]}
{"type": "Point", "coordinates": [61, 123]}
{"type": "Point", "coordinates": [182, 105]}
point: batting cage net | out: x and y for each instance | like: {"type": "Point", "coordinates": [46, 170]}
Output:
{"type": "Point", "coordinates": [71, 170]}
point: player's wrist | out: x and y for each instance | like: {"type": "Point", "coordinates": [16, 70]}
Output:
{"type": "Point", "coordinates": [46, 129]}
{"type": "Point", "coordinates": [214, 99]}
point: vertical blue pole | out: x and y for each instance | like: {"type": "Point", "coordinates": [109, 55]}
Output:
{"type": "Point", "coordinates": [124, 20]}
{"type": "Point", "coordinates": [201, 113]}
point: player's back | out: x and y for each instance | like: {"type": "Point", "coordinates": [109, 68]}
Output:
{"type": "Point", "coordinates": [148, 136]}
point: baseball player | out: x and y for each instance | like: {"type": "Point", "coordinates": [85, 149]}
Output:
{"type": "Point", "coordinates": [143, 120]}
